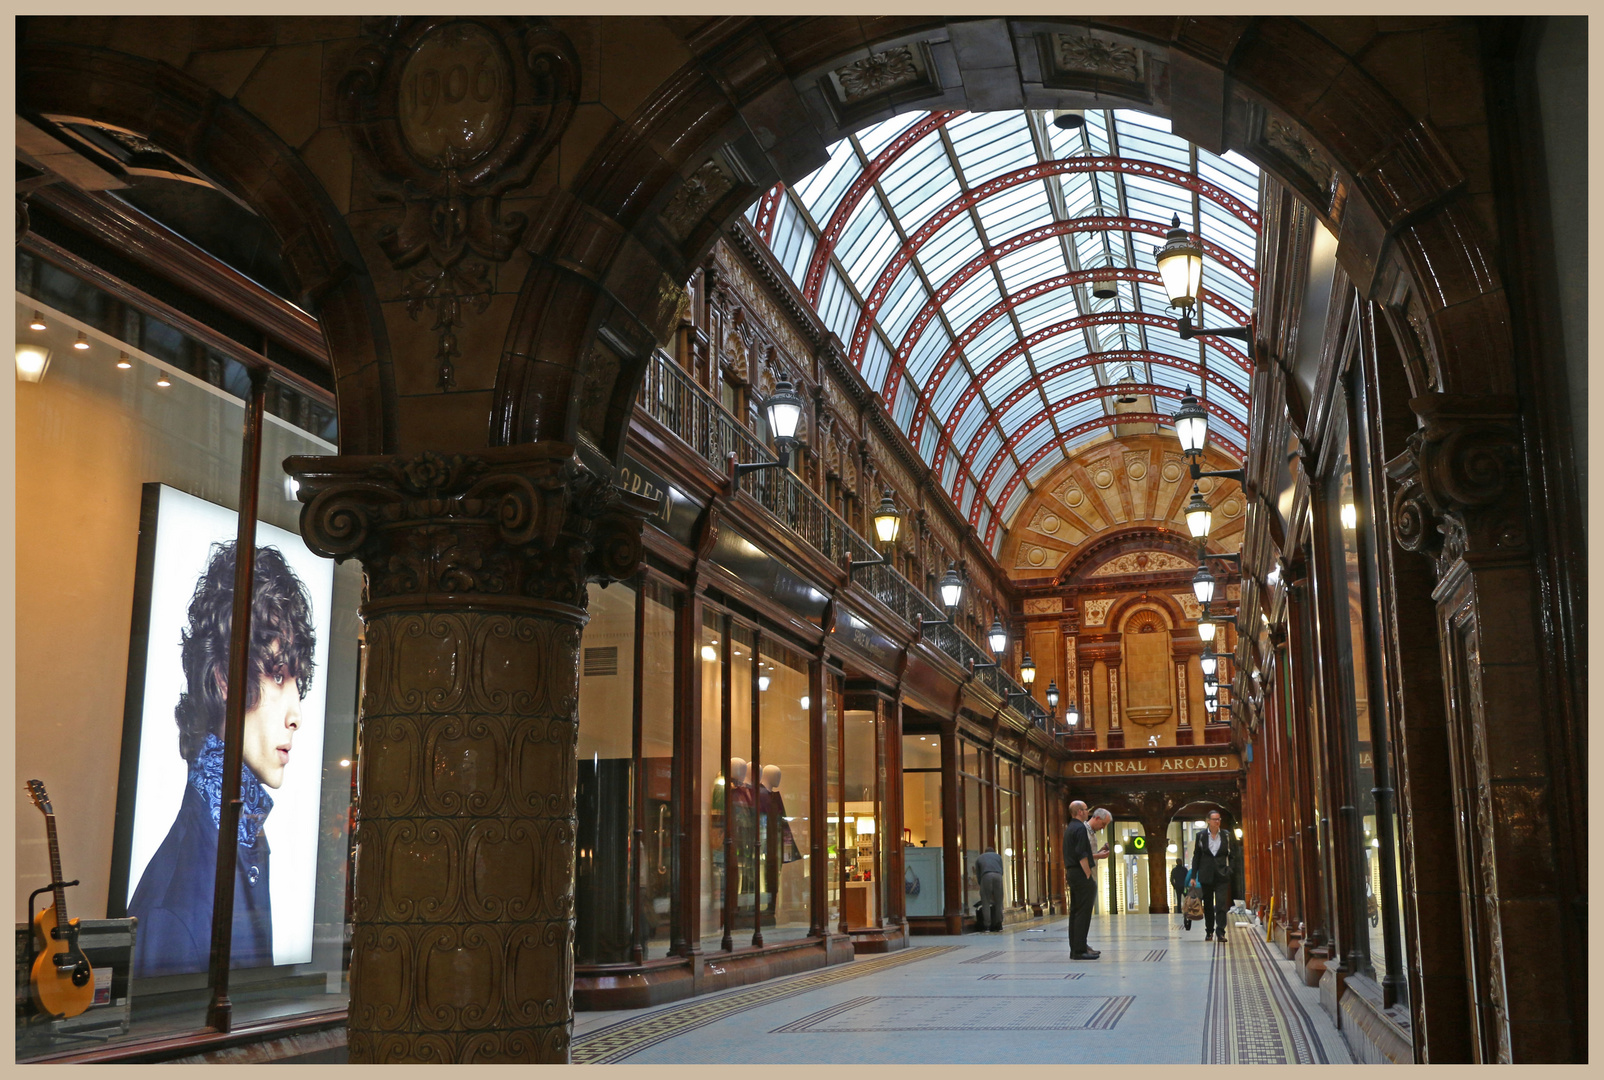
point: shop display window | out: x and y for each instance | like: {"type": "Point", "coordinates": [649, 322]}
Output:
{"type": "Point", "coordinates": [923, 856]}
{"type": "Point", "coordinates": [861, 817]}
{"type": "Point", "coordinates": [835, 834]}
{"type": "Point", "coordinates": [784, 783]}
{"type": "Point", "coordinates": [712, 780]}
{"type": "Point", "coordinates": [128, 482]}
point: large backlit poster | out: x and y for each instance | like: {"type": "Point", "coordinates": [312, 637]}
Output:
{"type": "Point", "coordinates": [164, 862]}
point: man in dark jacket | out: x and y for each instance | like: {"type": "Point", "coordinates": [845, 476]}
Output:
{"type": "Point", "coordinates": [173, 900]}
{"type": "Point", "coordinates": [1215, 863]}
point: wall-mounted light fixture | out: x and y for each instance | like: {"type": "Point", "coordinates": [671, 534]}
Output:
{"type": "Point", "coordinates": [32, 360]}
{"type": "Point", "coordinates": [951, 588]}
{"type": "Point", "coordinates": [1191, 422]}
{"type": "Point", "coordinates": [887, 527]}
{"type": "Point", "coordinates": [1027, 670]}
{"type": "Point", "coordinates": [1052, 695]}
{"type": "Point", "coordinates": [784, 412]}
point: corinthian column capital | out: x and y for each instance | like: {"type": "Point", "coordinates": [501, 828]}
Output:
{"type": "Point", "coordinates": [499, 528]}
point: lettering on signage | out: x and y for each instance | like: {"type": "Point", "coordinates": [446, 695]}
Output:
{"type": "Point", "coordinates": [1152, 765]}
{"type": "Point", "coordinates": [1367, 760]}
{"type": "Point", "coordinates": [636, 484]}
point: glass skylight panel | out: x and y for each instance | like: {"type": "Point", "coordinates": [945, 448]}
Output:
{"type": "Point", "coordinates": [963, 433]}
{"type": "Point", "coordinates": [1016, 414]}
{"type": "Point", "coordinates": [928, 441]}
{"type": "Point", "coordinates": [1232, 406]}
{"type": "Point", "coordinates": [836, 306]}
{"type": "Point", "coordinates": [1005, 472]}
{"type": "Point", "coordinates": [876, 362]}
{"type": "Point", "coordinates": [1154, 300]}
{"type": "Point", "coordinates": [990, 144]}
{"type": "Point", "coordinates": [903, 301]}
{"type": "Point", "coordinates": [953, 384]}
{"type": "Point", "coordinates": [1036, 438]}
{"type": "Point", "coordinates": [983, 522]}
{"type": "Point", "coordinates": [866, 241]}
{"type": "Point", "coordinates": [1135, 118]}
{"type": "Point", "coordinates": [793, 241]}
{"type": "Point", "coordinates": [902, 411]}
{"type": "Point", "coordinates": [996, 337]}
{"type": "Point", "coordinates": [1230, 234]}
{"type": "Point", "coordinates": [990, 443]}
{"type": "Point", "coordinates": [974, 298]}
{"type": "Point", "coordinates": [1225, 283]}
{"type": "Point", "coordinates": [918, 177]}
{"type": "Point", "coordinates": [1236, 182]}
{"type": "Point", "coordinates": [1011, 507]}
{"type": "Point", "coordinates": [1229, 369]}
{"type": "Point", "coordinates": [1014, 210]}
{"type": "Point", "coordinates": [930, 347]}
{"type": "Point", "coordinates": [1039, 311]}
{"type": "Point", "coordinates": [954, 244]}
{"type": "Point", "coordinates": [1108, 190]}
{"type": "Point", "coordinates": [1058, 349]}
{"type": "Point", "coordinates": [1079, 194]}
{"type": "Point", "coordinates": [1047, 464]}
{"type": "Point", "coordinates": [967, 501]}
{"type": "Point", "coordinates": [1090, 249]}
{"type": "Point", "coordinates": [1006, 379]}
{"type": "Point", "coordinates": [1174, 377]}
{"type": "Point", "coordinates": [1078, 414]}
{"type": "Point", "coordinates": [877, 137]}
{"type": "Point", "coordinates": [1022, 268]}
{"type": "Point", "coordinates": [949, 471]}
{"type": "Point", "coordinates": [821, 190]}
{"type": "Point", "coordinates": [751, 211]}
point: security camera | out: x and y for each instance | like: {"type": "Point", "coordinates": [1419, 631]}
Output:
{"type": "Point", "coordinates": [1069, 119]}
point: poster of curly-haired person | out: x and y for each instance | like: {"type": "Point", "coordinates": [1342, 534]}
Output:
{"type": "Point", "coordinates": [169, 793]}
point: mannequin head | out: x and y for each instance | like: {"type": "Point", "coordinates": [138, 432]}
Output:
{"type": "Point", "coordinates": [737, 771]}
{"type": "Point", "coordinates": [771, 777]}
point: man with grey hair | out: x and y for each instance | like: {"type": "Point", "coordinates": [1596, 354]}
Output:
{"type": "Point", "coordinates": [1080, 871]}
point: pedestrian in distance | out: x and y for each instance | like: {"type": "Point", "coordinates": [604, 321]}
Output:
{"type": "Point", "coordinates": [989, 873]}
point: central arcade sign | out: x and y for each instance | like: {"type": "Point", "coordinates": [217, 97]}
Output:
{"type": "Point", "coordinates": [1155, 765]}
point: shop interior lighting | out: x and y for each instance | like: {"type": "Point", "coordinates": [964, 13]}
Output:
{"type": "Point", "coordinates": [123, 361]}
{"type": "Point", "coordinates": [1350, 516]}
{"type": "Point", "coordinates": [82, 342]}
{"type": "Point", "coordinates": [163, 381]}
{"type": "Point", "coordinates": [762, 682]}
{"type": "Point", "coordinates": [709, 654]}
{"type": "Point", "coordinates": [32, 360]}
{"type": "Point", "coordinates": [37, 322]}
{"type": "Point", "coordinates": [806, 701]}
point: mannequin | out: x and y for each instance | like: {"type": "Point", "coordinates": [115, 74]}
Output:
{"type": "Point", "coordinates": [743, 803]}
{"type": "Point", "coordinates": [778, 844]}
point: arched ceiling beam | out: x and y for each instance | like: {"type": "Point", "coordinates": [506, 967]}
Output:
{"type": "Point", "coordinates": [1001, 308]}
{"type": "Point", "coordinates": [894, 267]}
{"type": "Point", "coordinates": [1065, 444]}
{"type": "Point", "coordinates": [1080, 322]}
{"type": "Point", "coordinates": [1093, 394]}
{"type": "Point", "coordinates": [1024, 390]}
{"type": "Point", "coordinates": [830, 233]}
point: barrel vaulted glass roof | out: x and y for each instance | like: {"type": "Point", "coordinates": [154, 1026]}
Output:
{"type": "Point", "coordinates": [954, 254]}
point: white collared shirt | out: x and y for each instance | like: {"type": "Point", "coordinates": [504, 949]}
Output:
{"type": "Point", "coordinates": [1214, 842]}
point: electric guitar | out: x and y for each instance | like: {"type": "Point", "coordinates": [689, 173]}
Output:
{"type": "Point", "coordinates": [63, 982]}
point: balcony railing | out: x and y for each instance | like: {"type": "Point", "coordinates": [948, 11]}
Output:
{"type": "Point", "coordinates": [674, 400]}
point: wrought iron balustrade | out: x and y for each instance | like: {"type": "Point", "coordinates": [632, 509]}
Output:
{"type": "Point", "coordinates": [671, 397]}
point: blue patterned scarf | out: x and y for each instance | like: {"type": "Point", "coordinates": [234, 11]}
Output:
{"type": "Point", "coordinates": [206, 777]}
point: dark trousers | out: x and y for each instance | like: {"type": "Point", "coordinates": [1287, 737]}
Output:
{"type": "Point", "coordinates": [991, 901]}
{"type": "Point", "coordinates": [1216, 899]}
{"type": "Point", "coordinates": [1082, 895]}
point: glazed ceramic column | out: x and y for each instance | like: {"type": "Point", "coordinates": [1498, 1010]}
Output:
{"type": "Point", "coordinates": [1459, 500]}
{"type": "Point", "coordinates": [476, 570]}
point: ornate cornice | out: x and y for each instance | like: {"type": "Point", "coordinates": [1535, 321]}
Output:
{"type": "Point", "coordinates": [512, 527]}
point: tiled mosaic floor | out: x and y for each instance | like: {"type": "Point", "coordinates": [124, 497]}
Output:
{"type": "Point", "coordinates": [1159, 995]}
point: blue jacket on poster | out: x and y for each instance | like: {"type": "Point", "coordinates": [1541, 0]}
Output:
{"type": "Point", "coordinates": [173, 901]}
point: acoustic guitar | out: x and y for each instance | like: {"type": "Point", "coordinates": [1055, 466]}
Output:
{"type": "Point", "coordinates": [63, 982]}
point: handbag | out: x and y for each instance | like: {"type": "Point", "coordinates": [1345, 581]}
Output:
{"type": "Point", "coordinates": [1192, 905]}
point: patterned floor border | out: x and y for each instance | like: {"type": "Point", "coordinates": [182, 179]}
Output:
{"type": "Point", "coordinates": [1251, 1017]}
{"type": "Point", "coordinates": [615, 1042]}
{"type": "Point", "coordinates": [1102, 1018]}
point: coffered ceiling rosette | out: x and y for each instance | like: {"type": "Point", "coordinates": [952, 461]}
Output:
{"type": "Point", "coordinates": [955, 256]}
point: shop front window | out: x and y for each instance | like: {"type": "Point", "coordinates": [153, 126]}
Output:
{"type": "Point", "coordinates": [127, 500]}
{"type": "Point", "coordinates": [712, 780]}
{"type": "Point", "coordinates": [742, 884]}
{"type": "Point", "coordinates": [605, 779]}
{"type": "Point", "coordinates": [923, 857]}
{"type": "Point", "coordinates": [861, 816]}
{"type": "Point", "coordinates": [835, 828]}
{"type": "Point", "coordinates": [659, 656]}
{"type": "Point", "coordinates": [1007, 794]}
{"type": "Point", "coordinates": [1366, 715]}
{"type": "Point", "coordinates": [785, 779]}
